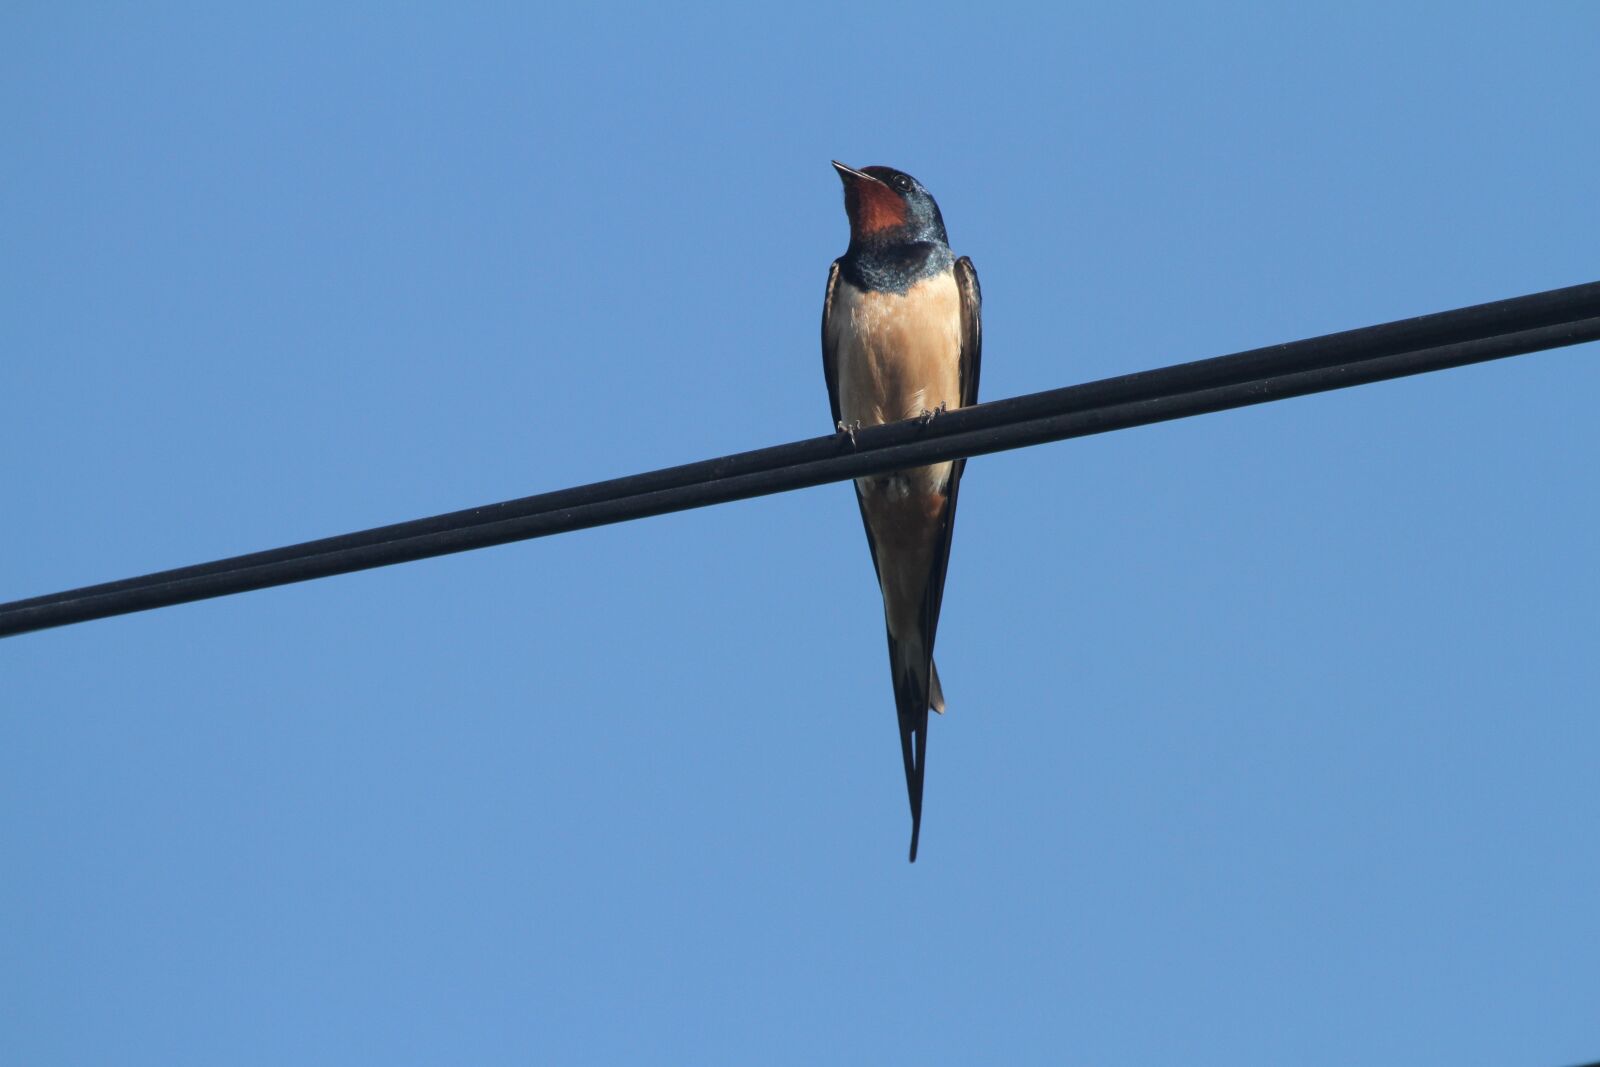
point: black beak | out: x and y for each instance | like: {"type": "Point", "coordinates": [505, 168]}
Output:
{"type": "Point", "coordinates": [846, 173]}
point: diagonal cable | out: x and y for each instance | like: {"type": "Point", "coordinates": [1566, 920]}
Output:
{"type": "Point", "coordinates": [1375, 353]}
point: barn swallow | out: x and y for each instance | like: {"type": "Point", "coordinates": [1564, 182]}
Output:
{"type": "Point", "coordinates": [901, 339]}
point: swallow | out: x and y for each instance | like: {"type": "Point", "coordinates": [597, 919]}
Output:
{"type": "Point", "coordinates": [901, 339]}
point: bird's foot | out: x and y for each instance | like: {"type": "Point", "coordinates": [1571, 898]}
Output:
{"type": "Point", "coordinates": [928, 416]}
{"type": "Point", "coordinates": [849, 430]}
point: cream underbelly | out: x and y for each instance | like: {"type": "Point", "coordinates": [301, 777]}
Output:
{"type": "Point", "coordinates": [898, 357]}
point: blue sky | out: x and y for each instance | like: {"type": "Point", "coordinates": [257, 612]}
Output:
{"type": "Point", "coordinates": [1272, 733]}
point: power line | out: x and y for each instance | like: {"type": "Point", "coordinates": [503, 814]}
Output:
{"type": "Point", "coordinates": [1517, 326]}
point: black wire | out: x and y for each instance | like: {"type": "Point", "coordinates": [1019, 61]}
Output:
{"type": "Point", "coordinates": [1374, 353]}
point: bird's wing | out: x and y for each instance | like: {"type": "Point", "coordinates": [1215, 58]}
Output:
{"type": "Point", "coordinates": [971, 329]}
{"type": "Point", "coordinates": [917, 685]}
{"type": "Point", "coordinates": [971, 357]}
{"type": "Point", "coordinates": [830, 362]}
{"type": "Point", "coordinates": [914, 703]}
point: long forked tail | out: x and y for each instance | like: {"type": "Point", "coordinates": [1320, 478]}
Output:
{"type": "Point", "coordinates": [915, 690]}
{"type": "Point", "coordinates": [914, 748]}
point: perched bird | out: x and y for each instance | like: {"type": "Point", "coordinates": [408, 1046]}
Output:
{"type": "Point", "coordinates": [901, 339]}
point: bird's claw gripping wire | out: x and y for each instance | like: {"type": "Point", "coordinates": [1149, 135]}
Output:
{"type": "Point", "coordinates": [849, 430]}
{"type": "Point", "coordinates": [928, 416]}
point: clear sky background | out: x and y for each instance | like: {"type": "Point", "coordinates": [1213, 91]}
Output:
{"type": "Point", "coordinates": [1273, 733]}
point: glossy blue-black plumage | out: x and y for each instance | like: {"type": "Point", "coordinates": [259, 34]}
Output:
{"type": "Point", "coordinates": [894, 259]}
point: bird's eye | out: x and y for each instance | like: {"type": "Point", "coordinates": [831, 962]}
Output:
{"type": "Point", "coordinates": [902, 182]}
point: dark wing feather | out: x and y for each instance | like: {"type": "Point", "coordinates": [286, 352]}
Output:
{"type": "Point", "coordinates": [971, 357]}
{"type": "Point", "coordinates": [830, 360]}
{"type": "Point", "coordinates": [912, 699]}
{"type": "Point", "coordinates": [971, 329]}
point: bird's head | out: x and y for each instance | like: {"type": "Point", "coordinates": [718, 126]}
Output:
{"type": "Point", "coordinates": [888, 207]}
